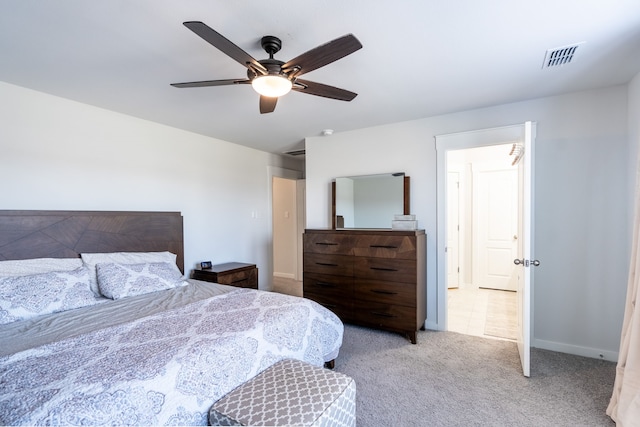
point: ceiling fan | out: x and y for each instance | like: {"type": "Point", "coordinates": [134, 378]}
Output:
{"type": "Point", "coordinates": [272, 78]}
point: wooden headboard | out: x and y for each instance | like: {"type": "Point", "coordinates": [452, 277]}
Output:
{"type": "Point", "coordinates": [66, 234]}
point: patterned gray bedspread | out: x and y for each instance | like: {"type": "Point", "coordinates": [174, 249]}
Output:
{"type": "Point", "coordinates": [167, 368]}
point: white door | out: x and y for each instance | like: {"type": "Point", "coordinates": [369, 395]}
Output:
{"type": "Point", "coordinates": [453, 229]}
{"type": "Point", "coordinates": [525, 260]}
{"type": "Point", "coordinates": [495, 225]}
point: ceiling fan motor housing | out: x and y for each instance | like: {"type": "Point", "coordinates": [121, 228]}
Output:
{"type": "Point", "coordinates": [271, 45]}
{"type": "Point", "coordinates": [273, 66]}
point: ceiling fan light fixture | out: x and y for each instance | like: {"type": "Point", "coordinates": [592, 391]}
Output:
{"type": "Point", "coordinates": [271, 85]}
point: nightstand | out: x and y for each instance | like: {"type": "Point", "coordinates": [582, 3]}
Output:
{"type": "Point", "coordinates": [231, 273]}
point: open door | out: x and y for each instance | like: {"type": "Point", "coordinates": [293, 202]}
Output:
{"type": "Point", "coordinates": [524, 136]}
{"type": "Point", "coordinates": [525, 259]}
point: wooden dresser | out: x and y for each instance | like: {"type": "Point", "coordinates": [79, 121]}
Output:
{"type": "Point", "coordinates": [374, 278]}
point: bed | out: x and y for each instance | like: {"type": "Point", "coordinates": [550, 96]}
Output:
{"type": "Point", "coordinates": [98, 324]}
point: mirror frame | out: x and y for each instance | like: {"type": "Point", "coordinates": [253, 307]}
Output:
{"type": "Point", "coordinates": [407, 201]}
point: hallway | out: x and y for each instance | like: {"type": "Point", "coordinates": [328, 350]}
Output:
{"type": "Point", "coordinates": [482, 312]}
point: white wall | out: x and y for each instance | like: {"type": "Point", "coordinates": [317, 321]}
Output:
{"type": "Point", "coordinates": [57, 154]}
{"type": "Point", "coordinates": [582, 229]}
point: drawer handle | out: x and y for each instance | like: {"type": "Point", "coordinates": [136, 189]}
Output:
{"type": "Point", "coordinates": [325, 285]}
{"type": "Point", "coordinates": [383, 269]}
{"type": "Point", "coordinates": [376, 313]}
{"type": "Point", "coordinates": [380, 291]}
{"type": "Point", "coordinates": [239, 280]}
{"type": "Point", "coordinates": [326, 264]}
{"type": "Point", "coordinates": [383, 246]}
{"type": "Point", "coordinates": [326, 243]}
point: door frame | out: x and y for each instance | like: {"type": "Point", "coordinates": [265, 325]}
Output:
{"type": "Point", "coordinates": [457, 239]}
{"type": "Point", "coordinates": [275, 171]}
{"type": "Point", "coordinates": [445, 143]}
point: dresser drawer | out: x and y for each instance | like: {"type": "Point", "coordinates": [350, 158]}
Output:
{"type": "Point", "coordinates": [385, 246]}
{"type": "Point", "coordinates": [385, 315]}
{"type": "Point", "coordinates": [337, 265]}
{"type": "Point", "coordinates": [242, 279]}
{"type": "Point", "coordinates": [327, 243]}
{"type": "Point", "coordinates": [386, 269]}
{"type": "Point", "coordinates": [232, 273]}
{"type": "Point", "coordinates": [386, 292]}
{"type": "Point", "coordinates": [342, 286]}
{"type": "Point", "coordinates": [341, 307]}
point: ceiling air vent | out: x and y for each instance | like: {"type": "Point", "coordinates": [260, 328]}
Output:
{"type": "Point", "coordinates": [560, 56]}
{"type": "Point", "coordinates": [295, 153]}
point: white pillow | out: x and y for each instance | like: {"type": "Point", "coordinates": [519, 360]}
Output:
{"type": "Point", "coordinates": [24, 297]}
{"type": "Point", "coordinates": [91, 259]}
{"type": "Point", "coordinates": [26, 267]}
{"type": "Point", "coordinates": [122, 280]}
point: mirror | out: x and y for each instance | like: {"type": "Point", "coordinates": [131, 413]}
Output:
{"type": "Point", "coordinates": [369, 201]}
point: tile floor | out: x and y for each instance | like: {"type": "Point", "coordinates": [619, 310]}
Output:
{"type": "Point", "coordinates": [468, 309]}
{"type": "Point", "coordinates": [478, 311]}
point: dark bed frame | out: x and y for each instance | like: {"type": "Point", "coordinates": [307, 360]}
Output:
{"type": "Point", "coordinates": [66, 234]}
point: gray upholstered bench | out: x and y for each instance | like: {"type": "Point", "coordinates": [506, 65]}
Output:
{"type": "Point", "coordinates": [290, 393]}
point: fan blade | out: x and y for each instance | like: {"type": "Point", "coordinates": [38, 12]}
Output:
{"type": "Point", "coordinates": [220, 42]}
{"type": "Point", "coordinates": [212, 83]}
{"type": "Point", "coordinates": [319, 89]}
{"type": "Point", "coordinates": [323, 55]}
{"type": "Point", "coordinates": [268, 104]}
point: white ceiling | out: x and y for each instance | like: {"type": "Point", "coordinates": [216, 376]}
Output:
{"type": "Point", "coordinates": [420, 58]}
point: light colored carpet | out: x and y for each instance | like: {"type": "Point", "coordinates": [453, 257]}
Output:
{"type": "Point", "coordinates": [451, 379]}
{"type": "Point", "coordinates": [501, 320]}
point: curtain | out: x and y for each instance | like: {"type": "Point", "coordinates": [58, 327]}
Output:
{"type": "Point", "coordinates": [624, 407]}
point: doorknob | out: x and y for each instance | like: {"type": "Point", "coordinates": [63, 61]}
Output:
{"type": "Point", "coordinates": [526, 262]}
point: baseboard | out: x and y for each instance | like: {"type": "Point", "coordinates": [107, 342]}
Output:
{"type": "Point", "coordinates": [593, 353]}
{"type": "Point", "coordinates": [431, 325]}
{"type": "Point", "coordinates": [285, 275]}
